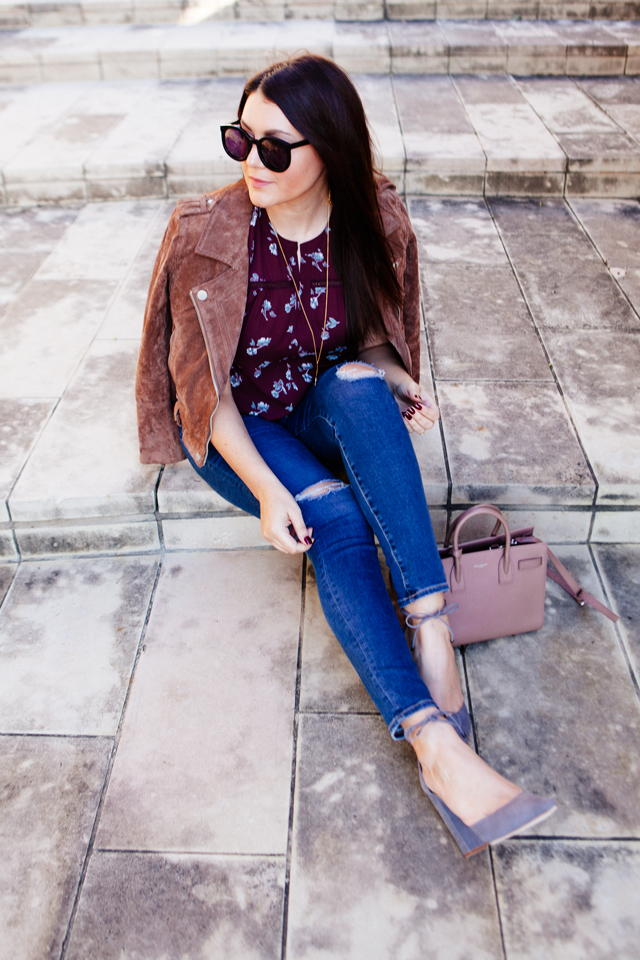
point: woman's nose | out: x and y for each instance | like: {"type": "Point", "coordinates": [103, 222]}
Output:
{"type": "Point", "coordinates": [253, 160]}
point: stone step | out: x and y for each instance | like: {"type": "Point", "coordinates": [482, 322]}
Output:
{"type": "Point", "coordinates": [531, 311]}
{"type": "Point", "coordinates": [45, 13]}
{"type": "Point", "coordinates": [220, 49]}
{"type": "Point", "coordinates": [473, 136]}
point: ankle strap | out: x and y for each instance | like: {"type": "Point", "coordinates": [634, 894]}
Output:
{"type": "Point", "coordinates": [413, 732]}
{"type": "Point", "coordinates": [420, 618]}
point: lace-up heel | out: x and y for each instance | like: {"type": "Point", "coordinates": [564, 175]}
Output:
{"type": "Point", "coordinates": [524, 811]}
{"type": "Point", "coordinates": [414, 621]}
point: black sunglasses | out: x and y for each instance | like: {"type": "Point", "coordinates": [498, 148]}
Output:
{"type": "Point", "coordinates": [274, 153]}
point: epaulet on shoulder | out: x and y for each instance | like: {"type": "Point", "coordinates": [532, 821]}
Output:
{"type": "Point", "coordinates": [191, 206]}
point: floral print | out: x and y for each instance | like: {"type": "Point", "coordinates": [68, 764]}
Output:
{"type": "Point", "coordinates": [275, 361]}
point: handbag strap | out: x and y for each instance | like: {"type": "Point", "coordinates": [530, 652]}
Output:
{"type": "Point", "coordinates": [562, 576]}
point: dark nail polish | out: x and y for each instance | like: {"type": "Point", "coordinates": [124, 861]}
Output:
{"type": "Point", "coordinates": [408, 416]}
{"type": "Point", "coordinates": [410, 410]}
{"type": "Point", "coordinates": [418, 406]}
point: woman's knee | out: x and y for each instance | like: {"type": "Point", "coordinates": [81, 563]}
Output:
{"type": "Point", "coordinates": [331, 503]}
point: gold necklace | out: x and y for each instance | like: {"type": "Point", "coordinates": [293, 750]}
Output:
{"type": "Point", "coordinates": [317, 353]}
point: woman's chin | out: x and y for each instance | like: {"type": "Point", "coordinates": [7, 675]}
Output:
{"type": "Point", "coordinates": [260, 193]}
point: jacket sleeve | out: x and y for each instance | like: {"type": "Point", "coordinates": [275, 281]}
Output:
{"type": "Point", "coordinates": [411, 305]}
{"type": "Point", "coordinates": [157, 430]}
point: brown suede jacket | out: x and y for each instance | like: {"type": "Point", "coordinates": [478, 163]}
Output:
{"type": "Point", "coordinates": [195, 310]}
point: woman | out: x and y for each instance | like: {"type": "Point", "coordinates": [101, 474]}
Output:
{"type": "Point", "coordinates": [280, 351]}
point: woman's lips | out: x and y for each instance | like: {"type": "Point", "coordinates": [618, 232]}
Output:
{"type": "Point", "coordinates": [259, 183]}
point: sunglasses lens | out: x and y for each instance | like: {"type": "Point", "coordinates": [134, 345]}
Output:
{"type": "Point", "coordinates": [236, 143]}
{"type": "Point", "coordinates": [275, 155]}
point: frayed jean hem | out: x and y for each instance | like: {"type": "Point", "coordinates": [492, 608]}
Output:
{"type": "Point", "coordinates": [395, 727]}
{"type": "Point", "coordinates": [438, 588]}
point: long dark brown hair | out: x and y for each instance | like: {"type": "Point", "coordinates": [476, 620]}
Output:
{"type": "Point", "coordinates": [320, 100]}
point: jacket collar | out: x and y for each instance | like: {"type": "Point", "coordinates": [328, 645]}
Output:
{"type": "Point", "coordinates": [234, 206]}
{"type": "Point", "coordinates": [226, 234]}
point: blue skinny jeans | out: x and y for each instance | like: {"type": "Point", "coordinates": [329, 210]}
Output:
{"type": "Point", "coordinates": [355, 422]}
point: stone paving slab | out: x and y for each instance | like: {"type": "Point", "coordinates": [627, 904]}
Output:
{"type": "Point", "coordinates": [575, 669]}
{"type": "Point", "coordinates": [69, 634]}
{"type": "Point", "coordinates": [49, 797]}
{"type": "Point", "coordinates": [373, 871]}
{"type": "Point", "coordinates": [128, 51]}
{"type": "Point", "coordinates": [568, 899]}
{"type": "Point", "coordinates": [370, 868]}
{"type": "Point", "coordinates": [173, 905]}
{"type": "Point", "coordinates": [204, 761]}
{"type": "Point", "coordinates": [619, 567]}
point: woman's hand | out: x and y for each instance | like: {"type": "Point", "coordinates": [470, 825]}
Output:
{"type": "Point", "coordinates": [279, 516]}
{"type": "Point", "coordinates": [419, 410]}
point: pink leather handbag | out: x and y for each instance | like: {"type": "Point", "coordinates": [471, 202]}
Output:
{"type": "Point", "coordinates": [499, 582]}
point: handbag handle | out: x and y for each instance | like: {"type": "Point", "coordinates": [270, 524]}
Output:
{"type": "Point", "coordinates": [456, 526]}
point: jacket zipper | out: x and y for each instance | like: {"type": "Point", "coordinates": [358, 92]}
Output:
{"type": "Point", "coordinates": [215, 385]}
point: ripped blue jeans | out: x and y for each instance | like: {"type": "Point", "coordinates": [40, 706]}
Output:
{"type": "Point", "coordinates": [351, 418]}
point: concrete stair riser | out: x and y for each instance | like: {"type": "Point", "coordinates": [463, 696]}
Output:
{"type": "Point", "coordinates": [14, 14]}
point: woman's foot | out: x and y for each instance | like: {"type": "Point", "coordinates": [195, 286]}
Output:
{"type": "Point", "coordinates": [458, 776]}
{"type": "Point", "coordinates": [434, 654]}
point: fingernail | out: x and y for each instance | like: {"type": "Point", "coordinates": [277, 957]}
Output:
{"type": "Point", "coordinates": [410, 410]}
{"type": "Point", "coordinates": [308, 541]}
{"type": "Point", "coordinates": [407, 416]}
{"type": "Point", "coordinates": [418, 406]}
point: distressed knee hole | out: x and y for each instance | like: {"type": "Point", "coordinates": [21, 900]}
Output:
{"type": "Point", "coordinates": [357, 370]}
{"type": "Point", "coordinates": [321, 489]}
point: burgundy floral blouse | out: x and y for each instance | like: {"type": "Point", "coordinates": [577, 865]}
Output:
{"type": "Point", "coordinates": [275, 362]}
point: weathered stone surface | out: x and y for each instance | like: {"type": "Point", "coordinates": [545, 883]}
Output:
{"type": "Point", "coordinates": [474, 47]}
{"type": "Point", "coordinates": [511, 134]}
{"type": "Point", "coordinates": [7, 573]}
{"type": "Point", "coordinates": [478, 324]}
{"type": "Point", "coordinates": [152, 906]}
{"type": "Point", "coordinates": [204, 761]}
{"type": "Point", "coordinates": [418, 49]}
{"type": "Point", "coordinates": [86, 463]}
{"type": "Point", "coordinates": [69, 631]}
{"type": "Point", "coordinates": [621, 573]}
{"type": "Point", "coordinates": [232, 530]}
{"type": "Point", "coordinates": [379, 103]}
{"type": "Point", "coordinates": [198, 151]}
{"type": "Point", "coordinates": [603, 394]}
{"type": "Point", "coordinates": [181, 490]}
{"type": "Point", "coordinates": [49, 796]}
{"type": "Point", "coordinates": [528, 693]}
{"type": "Point", "coordinates": [329, 684]}
{"type": "Point", "coordinates": [439, 139]}
{"type": "Point", "coordinates": [552, 526]}
{"type": "Point", "coordinates": [374, 872]}
{"type": "Point", "coordinates": [512, 443]}
{"type": "Point", "coordinates": [61, 150]}
{"type": "Point", "coordinates": [567, 285]}
{"type": "Point", "coordinates": [26, 237]}
{"type": "Point", "coordinates": [21, 422]}
{"type": "Point", "coordinates": [614, 227]}
{"type": "Point", "coordinates": [86, 537]}
{"type": "Point", "coordinates": [35, 364]}
{"type": "Point", "coordinates": [568, 899]}
{"type": "Point", "coordinates": [124, 318]}
{"type": "Point", "coordinates": [616, 526]}
{"type": "Point", "coordinates": [456, 230]}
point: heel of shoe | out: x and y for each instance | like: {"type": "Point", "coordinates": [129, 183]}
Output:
{"type": "Point", "coordinates": [466, 838]}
